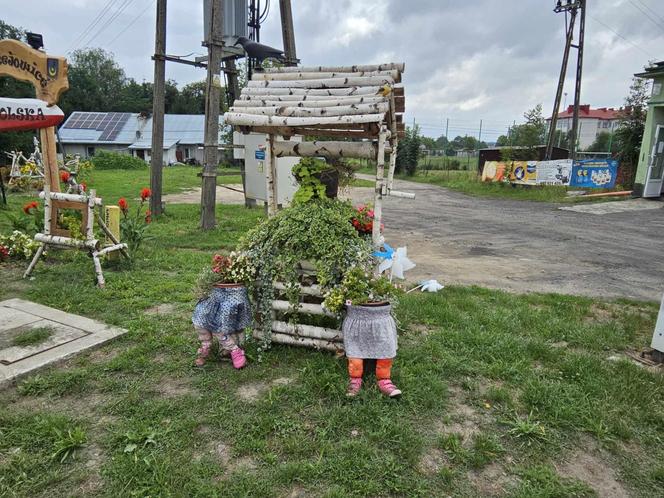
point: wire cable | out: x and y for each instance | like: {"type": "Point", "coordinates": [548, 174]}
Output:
{"type": "Point", "coordinates": [652, 11]}
{"type": "Point", "coordinates": [656, 23]}
{"type": "Point", "coordinates": [621, 36]}
{"type": "Point", "coordinates": [90, 26]}
{"type": "Point", "coordinates": [140, 15]}
{"type": "Point", "coordinates": [110, 21]}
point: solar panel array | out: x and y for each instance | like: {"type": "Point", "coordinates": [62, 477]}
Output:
{"type": "Point", "coordinates": [109, 123]}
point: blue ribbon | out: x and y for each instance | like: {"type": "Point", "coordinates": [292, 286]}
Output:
{"type": "Point", "coordinates": [386, 254]}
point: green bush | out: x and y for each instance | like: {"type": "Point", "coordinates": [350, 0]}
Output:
{"type": "Point", "coordinates": [113, 160]}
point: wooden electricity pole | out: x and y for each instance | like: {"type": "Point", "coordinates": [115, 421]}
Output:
{"type": "Point", "coordinates": [287, 32]}
{"type": "Point", "coordinates": [212, 98]}
{"type": "Point", "coordinates": [158, 104]}
{"type": "Point", "coordinates": [577, 87]}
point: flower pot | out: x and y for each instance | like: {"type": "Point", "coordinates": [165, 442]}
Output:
{"type": "Point", "coordinates": [370, 331]}
{"type": "Point", "coordinates": [225, 310]}
{"type": "Point", "coordinates": [329, 178]}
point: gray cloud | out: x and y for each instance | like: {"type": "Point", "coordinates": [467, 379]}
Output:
{"type": "Point", "coordinates": [465, 60]}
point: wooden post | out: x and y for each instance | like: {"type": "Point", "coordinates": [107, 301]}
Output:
{"type": "Point", "coordinates": [380, 186]}
{"type": "Point", "coordinates": [271, 179]}
{"type": "Point", "coordinates": [158, 105]}
{"type": "Point", "coordinates": [287, 32]}
{"type": "Point", "coordinates": [233, 92]}
{"type": "Point", "coordinates": [393, 163]}
{"type": "Point", "coordinates": [49, 158]}
{"type": "Point", "coordinates": [212, 99]}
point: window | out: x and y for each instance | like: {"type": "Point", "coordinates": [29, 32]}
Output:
{"type": "Point", "coordinates": [90, 151]}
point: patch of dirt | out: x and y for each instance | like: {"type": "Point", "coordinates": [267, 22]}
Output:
{"type": "Point", "coordinates": [297, 492]}
{"type": "Point", "coordinates": [251, 392]}
{"type": "Point", "coordinates": [193, 196]}
{"type": "Point", "coordinates": [420, 328]}
{"type": "Point", "coordinates": [173, 388]}
{"type": "Point", "coordinates": [223, 453]}
{"type": "Point", "coordinates": [432, 462]}
{"type": "Point", "coordinates": [103, 355]}
{"type": "Point", "coordinates": [76, 406]}
{"type": "Point", "coordinates": [161, 309]}
{"type": "Point", "coordinates": [599, 315]}
{"type": "Point", "coordinates": [466, 420]}
{"type": "Point", "coordinates": [492, 480]}
{"type": "Point", "coordinates": [586, 466]}
{"type": "Point", "coordinates": [283, 381]}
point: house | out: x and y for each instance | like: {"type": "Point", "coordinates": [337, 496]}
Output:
{"type": "Point", "coordinates": [649, 180]}
{"type": "Point", "coordinates": [85, 133]}
{"type": "Point", "coordinates": [591, 122]}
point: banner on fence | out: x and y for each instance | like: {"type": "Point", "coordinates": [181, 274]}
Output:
{"type": "Point", "coordinates": [523, 173]}
{"type": "Point", "coordinates": [594, 173]}
{"type": "Point", "coordinates": [556, 172]}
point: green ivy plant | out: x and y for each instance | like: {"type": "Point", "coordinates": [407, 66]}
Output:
{"type": "Point", "coordinates": [319, 232]}
{"type": "Point", "coordinates": [310, 186]}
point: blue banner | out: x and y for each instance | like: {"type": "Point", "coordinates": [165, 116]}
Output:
{"type": "Point", "coordinates": [594, 173]}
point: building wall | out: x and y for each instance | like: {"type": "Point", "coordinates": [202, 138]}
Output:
{"type": "Point", "coordinates": [84, 150]}
{"type": "Point", "coordinates": [589, 128]}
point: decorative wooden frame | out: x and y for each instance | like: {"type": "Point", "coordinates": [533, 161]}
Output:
{"type": "Point", "coordinates": [56, 205]}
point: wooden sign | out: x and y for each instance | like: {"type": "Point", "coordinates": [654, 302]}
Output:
{"type": "Point", "coordinates": [47, 74]}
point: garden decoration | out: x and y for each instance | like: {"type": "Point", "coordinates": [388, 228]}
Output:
{"type": "Point", "coordinates": [428, 286]}
{"type": "Point", "coordinates": [223, 310]}
{"type": "Point", "coordinates": [70, 236]}
{"type": "Point", "coordinates": [30, 168]}
{"type": "Point", "coordinates": [395, 261]}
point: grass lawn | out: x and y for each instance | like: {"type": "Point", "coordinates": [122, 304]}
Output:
{"type": "Point", "coordinates": [506, 395]}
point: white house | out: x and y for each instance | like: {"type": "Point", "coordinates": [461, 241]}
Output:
{"type": "Point", "coordinates": [591, 122]}
{"type": "Point", "coordinates": [84, 133]}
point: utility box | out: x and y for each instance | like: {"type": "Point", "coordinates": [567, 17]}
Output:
{"type": "Point", "coordinates": [658, 336]}
{"type": "Point", "coordinates": [235, 21]}
{"type": "Point", "coordinates": [256, 155]}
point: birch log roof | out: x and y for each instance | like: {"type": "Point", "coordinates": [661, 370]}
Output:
{"type": "Point", "coordinates": [350, 101]}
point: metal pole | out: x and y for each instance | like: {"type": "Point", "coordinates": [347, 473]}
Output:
{"type": "Point", "coordinates": [287, 32]}
{"type": "Point", "coordinates": [212, 100]}
{"type": "Point", "coordinates": [579, 70]}
{"type": "Point", "coordinates": [559, 90]}
{"type": "Point", "coordinates": [158, 107]}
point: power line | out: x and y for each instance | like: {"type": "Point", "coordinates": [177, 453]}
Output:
{"type": "Point", "coordinates": [656, 23]}
{"type": "Point", "coordinates": [110, 21]}
{"type": "Point", "coordinates": [621, 36]}
{"type": "Point", "coordinates": [132, 22]}
{"type": "Point", "coordinates": [652, 11]}
{"type": "Point", "coordinates": [91, 25]}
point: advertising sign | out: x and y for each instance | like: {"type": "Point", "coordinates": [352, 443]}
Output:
{"type": "Point", "coordinates": [558, 172]}
{"type": "Point", "coordinates": [594, 173]}
{"type": "Point", "coordinates": [523, 172]}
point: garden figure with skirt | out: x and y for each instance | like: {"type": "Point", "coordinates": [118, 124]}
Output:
{"type": "Point", "coordinates": [223, 310]}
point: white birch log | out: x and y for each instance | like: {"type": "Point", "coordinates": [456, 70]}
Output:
{"type": "Point", "coordinates": [60, 196]}
{"type": "Point", "coordinates": [89, 229]}
{"type": "Point", "coordinates": [380, 181]}
{"type": "Point", "coordinates": [35, 260]}
{"type": "Point", "coordinates": [311, 331]}
{"type": "Point", "coordinates": [292, 340]}
{"type": "Point", "coordinates": [242, 119]}
{"type": "Point", "coordinates": [320, 92]}
{"type": "Point", "coordinates": [324, 83]}
{"type": "Point", "coordinates": [306, 100]}
{"type": "Point", "coordinates": [113, 248]}
{"type": "Point", "coordinates": [270, 178]}
{"type": "Point", "coordinates": [309, 308]}
{"type": "Point", "coordinates": [56, 240]}
{"type": "Point", "coordinates": [393, 164]}
{"type": "Point", "coordinates": [307, 290]}
{"type": "Point", "coordinates": [317, 75]}
{"type": "Point", "coordinates": [331, 149]}
{"type": "Point", "coordinates": [344, 110]}
{"type": "Point", "coordinates": [100, 275]}
{"type": "Point", "coordinates": [47, 209]}
{"type": "Point", "coordinates": [399, 66]}
{"type": "Point", "coordinates": [402, 195]}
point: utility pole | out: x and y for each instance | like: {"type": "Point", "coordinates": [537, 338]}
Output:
{"type": "Point", "coordinates": [287, 32]}
{"type": "Point", "coordinates": [212, 99]}
{"type": "Point", "coordinates": [572, 7]}
{"type": "Point", "coordinates": [579, 71]}
{"type": "Point", "coordinates": [158, 105]}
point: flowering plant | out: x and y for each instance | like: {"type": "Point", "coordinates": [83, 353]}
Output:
{"type": "Point", "coordinates": [18, 245]}
{"type": "Point", "coordinates": [4, 253]}
{"type": "Point", "coordinates": [359, 287]}
{"type": "Point", "coordinates": [133, 226]}
{"type": "Point", "coordinates": [236, 268]}
{"type": "Point", "coordinates": [363, 220]}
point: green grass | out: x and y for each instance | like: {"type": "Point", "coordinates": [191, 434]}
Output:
{"type": "Point", "coordinates": [491, 380]}
{"type": "Point", "coordinates": [32, 337]}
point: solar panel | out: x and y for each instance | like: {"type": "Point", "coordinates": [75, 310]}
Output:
{"type": "Point", "coordinates": [114, 125]}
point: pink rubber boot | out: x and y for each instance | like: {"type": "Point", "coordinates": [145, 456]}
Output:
{"type": "Point", "coordinates": [388, 389]}
{"type": "Point", "coordinates": [354, 387]}
{"type": "Point", "coordinates": [238, 358]}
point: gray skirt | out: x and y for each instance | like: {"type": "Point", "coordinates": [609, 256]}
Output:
{"type": "Point", "coordinates": [370, 332]}
{"type": "Point", "coordinates": [223, 311]}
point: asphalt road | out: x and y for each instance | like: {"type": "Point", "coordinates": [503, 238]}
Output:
{"type": "Point", "coordinates": [527, 246]}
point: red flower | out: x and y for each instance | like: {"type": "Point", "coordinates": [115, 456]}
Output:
{"type": "Point", "coordinates": [123, 204]}
{"type": "Point", "coordinates": [64, 176]}
{"type": "Point", "coordinates": [84, 186]}
{"type": "Point", "coordinates": [145, 194]}
{"type": "Point", "coordinates": [4, 253]}
{"type": "Point", "coordinates": [30, 206]}
{"type": "Point", "coordinates": [148, 216]}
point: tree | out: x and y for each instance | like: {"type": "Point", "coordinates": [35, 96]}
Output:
{"type": "Point", "coordinates": [408, 151]}
{"type": "Point", "coordinates": [603, 142]}
{"type": "Point", "coordinates": [629, 135]}
{"type": "Point", "coordinates": [502, 141]}
{"type": "Point", "coordinates": [442, 142]}
{"type": "Point", "coordinates": [528, 135]}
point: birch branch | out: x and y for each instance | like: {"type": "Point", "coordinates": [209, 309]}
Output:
{"type": "Point", "coordinates": [242, 119]}
{"type": "Point", "coordinates": [305, 100]}
{"type": "Point", "coordinates": [331, 149]}
{"type": "Point", "coordinates": [330, 92]}
{"type": "Point", "coordinates": [317, 75]}
{"type": "Point", "coordinates": [344, 110]}
{"type": "Point", "coordinates": [399, 66]}
{"type": "Point", "coordinates": [324, 82]}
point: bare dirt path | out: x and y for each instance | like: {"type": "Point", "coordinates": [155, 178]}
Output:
{"type": "Point", "coordinates": [527, 246]}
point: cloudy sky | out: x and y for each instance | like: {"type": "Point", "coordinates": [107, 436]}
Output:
{"type": "Point", "coordinates": [466, 60]}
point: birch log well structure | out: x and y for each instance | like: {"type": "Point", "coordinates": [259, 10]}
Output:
{"type": "Point", "coordinates": [363, 106]}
